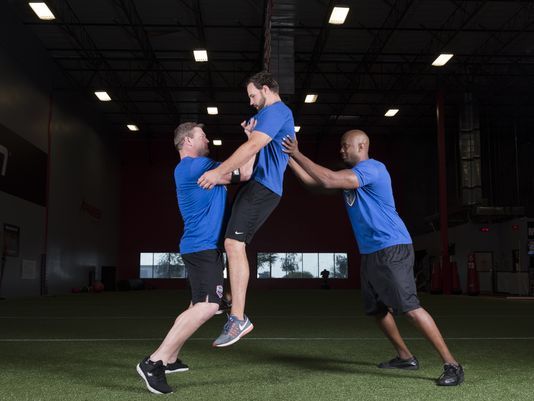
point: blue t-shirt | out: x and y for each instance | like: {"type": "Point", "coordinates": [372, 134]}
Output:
{"type": "Point", "coordinates": [202, 210]}
{"type": "Point", "coordinates": [276, 121]}
{"type": "Point", "coordinates": [371, 207]}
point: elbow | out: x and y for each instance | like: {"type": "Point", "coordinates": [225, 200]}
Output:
{"type": "Point", "coordinates": [246, 176]}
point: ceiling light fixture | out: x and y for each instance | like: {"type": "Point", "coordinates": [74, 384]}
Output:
{"type": "Point", "coordinates": [391, 112]}
{"type": "Point", "coordinates": [297, 128]}
{"type": "Point", "coordinates": [217, 142]}
{"type": "Point", "coordinates": [442, 60]}
{"type": "Point", "coordinates": [133, 127]}
{"type": "Point", "coordinates": [311, 98]}
{"type": "Point", "coordinates": [42, 11]}
{"type": "Point", "coordinates": [213, 111]}
{"type": "Point", "coordinates": [338, 16]}
{"type": "Point", "coordinates": [201, 56]}
{"type": "Point", "coordinates": [102, 96]}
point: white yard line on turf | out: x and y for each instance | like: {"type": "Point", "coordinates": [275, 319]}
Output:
{"type": "Point", "coordinates": [22, 340]}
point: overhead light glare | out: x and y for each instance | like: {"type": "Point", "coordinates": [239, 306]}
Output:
{"type": "Point", "coordinates": [442, 60]}
{"type": "Point", "coordinates": [297, 128]}
{"type": "Point", "coordinates": [42, 11]}
{"type": "Point", "coordinates": [217, 142]}
{"type": "Point", "coordinates": [133, 127]}
{"type": "Point", "coordinates": [213, 111]}
{"type": "Point", "coordinates": [338, 16]}
{"type": "Point", "coordinates": [391, 112]}
{"type": "Point", "coordinates": [102, 96]}
{"type": "Point", "coordinates": [201, 56]}
{"type": "Point", "coordinates": [311, 98]}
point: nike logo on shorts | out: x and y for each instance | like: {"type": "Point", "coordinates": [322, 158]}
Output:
{"type": "Point", "coordinates": [239, 232]}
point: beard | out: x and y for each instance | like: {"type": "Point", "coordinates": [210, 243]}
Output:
{"type": "Point", "coordinates": [261, 103]}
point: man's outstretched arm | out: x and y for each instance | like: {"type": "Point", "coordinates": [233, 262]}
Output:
{"type": "Point", "coordinates": [324, 177]}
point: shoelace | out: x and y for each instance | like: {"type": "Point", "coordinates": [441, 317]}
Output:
{"type": "Point", "coordinates": [228, 325]}
{"type": "Point", "coordinates": [449, 369]}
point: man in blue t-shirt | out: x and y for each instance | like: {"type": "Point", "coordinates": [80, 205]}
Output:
{"type": "Point", "coordinates": [259, 197]}
{"type": "Point", "coordinates": [388, 284]}
{"type": "Point", "coordinates": [200, 247]}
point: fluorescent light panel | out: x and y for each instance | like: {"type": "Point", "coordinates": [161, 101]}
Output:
{"type": "Point", "coordinates": [42, 11]}
{"type": "Point", "coordinates": [201, 56]}
{"type": "Point", "coordinates": [442, 60]}
{"type": "Point", "coordinates": [102, 96]}
{"type": "Point", "coordinates": [133, 127]}
{"type": "Point", "coordinates": [338, 16]}
{"type": "Point", "coordinates": [213, 110]}
{"type": "Point", "coordinates": [217, 142]}
{"type": "Point", "coordinates": [311, 98]}
{"type": "Point", "coordinates": [297, 128]}
{"type": "Point", "coordinates": [391, 112]}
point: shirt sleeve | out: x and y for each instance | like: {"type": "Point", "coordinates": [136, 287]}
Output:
{"type": "Point", "coordinates": [270, 121]}
{"type": "Point", "coordinates": [366, 173]}
{"type": "Point", "coordinates": [202, 164]}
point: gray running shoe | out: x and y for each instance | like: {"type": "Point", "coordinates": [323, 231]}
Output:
{"type": "Point", "coordinates": [233, 330]}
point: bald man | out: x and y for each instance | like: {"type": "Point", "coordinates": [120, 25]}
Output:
{"type": "Point", "coordinates": [387, 280]}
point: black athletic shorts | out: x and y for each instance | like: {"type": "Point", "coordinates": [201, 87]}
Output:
{"type": "Point", "coordinates": [388, 282]}
{"type": "Point", "coordinates": [205, 271]}
{"type": "Point", "coordinates": [253, 204]}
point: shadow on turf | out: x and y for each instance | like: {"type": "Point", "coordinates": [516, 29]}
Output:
{"type": "Point", "coordinates": [339, 365]}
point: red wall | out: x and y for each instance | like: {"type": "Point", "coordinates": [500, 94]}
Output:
{"type": "Point", "coordinates": [303, 222]}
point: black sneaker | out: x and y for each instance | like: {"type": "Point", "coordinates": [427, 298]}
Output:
{"type": "Point", "coordinates": [452, 375]}
{"type": "Point", "coordinates": [153, 373]}
{"type": "Point", "coordinates": [224, 306]}
{"type": "Point", "coordinates": [397, 363]}
{"type": "Point", "coordinates": [176, 367]}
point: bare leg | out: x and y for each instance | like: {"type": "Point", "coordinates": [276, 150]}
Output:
{"type": "Point", "coordinates": [389, 327]}
{"type": "Point", "coordinates": [421, 319]}
{"type": "Point", "coordinates": [239, 275]}
{"type": "Point", "coordinates": [184, 326]}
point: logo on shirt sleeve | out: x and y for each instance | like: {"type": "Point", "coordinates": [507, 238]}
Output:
{"type": "Point", "coordinates": [350, 196]}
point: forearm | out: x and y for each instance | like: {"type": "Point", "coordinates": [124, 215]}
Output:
{"type": "Point", "coordinates": [246, 169]}
{"type": "Point", "coordinates": [243, 156]}
{"type": "Point", "coordinates": [321, 176]}
{"type": "Point", "coordinates": [302, 175]}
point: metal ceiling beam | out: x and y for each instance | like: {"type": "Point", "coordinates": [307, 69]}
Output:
{"type": "Point", "coordinates": [462, 15]}
{"type": "Point", "coordinates": [92, 56]}
{"type": "Point", "coordinates": [397, 12]}
{"type": "Point", "coordinates": [154, 70]}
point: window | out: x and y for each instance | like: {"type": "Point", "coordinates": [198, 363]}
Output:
{"type": "Point", "coordinates": [164, 265]}
{"type": "Point", "coordinates": [301, 265]}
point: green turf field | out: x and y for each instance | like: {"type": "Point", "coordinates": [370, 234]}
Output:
{"type": "Point", "coordinates": [307, 345]}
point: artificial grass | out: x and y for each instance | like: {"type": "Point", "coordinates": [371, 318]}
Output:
{"type": "Point", "coordinates": [287, 357]}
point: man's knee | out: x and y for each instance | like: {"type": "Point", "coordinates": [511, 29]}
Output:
{"type": "Point", "coordinates": [232, 245]}
{"type": "Point", "coordinates": [414, 313]}
{"type": "Point", "coordinates": [207, 308]}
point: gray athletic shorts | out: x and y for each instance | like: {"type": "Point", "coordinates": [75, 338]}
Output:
{"type": "Point", "coordinates": [388, 282]}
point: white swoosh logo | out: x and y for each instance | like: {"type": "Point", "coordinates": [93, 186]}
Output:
{"type": "Point", "coordinates": [241, 327]}
{"type": "Point", "coordinates": [239, 232]}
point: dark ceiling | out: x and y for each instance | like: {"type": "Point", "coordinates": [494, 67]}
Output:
{"type": "Point", "coordinates": [141, 52]}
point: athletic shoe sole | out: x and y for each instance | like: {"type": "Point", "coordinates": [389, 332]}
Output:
{"type": "Point", "coordinates": [242, 334]}
{"type": "Point", "coordinates": [151, 389]}
{"type": "Point", "coordinates": [168, 372]}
